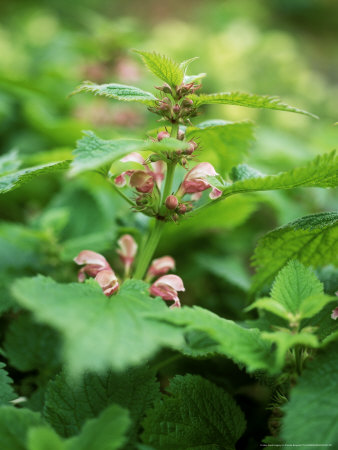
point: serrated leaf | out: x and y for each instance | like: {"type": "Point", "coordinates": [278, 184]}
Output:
{"type": "Point", "coordinates": [229, 140]}
{"type": "Point", "coordinates": [31, 346]}
{"type": "Point", "coordinates": [16, 179]}
{"type": "Point", "coordinates": [6, 391]}
{"type": "Point", "coordinates": [197, 415]}
{"type": "Point", "coordinates": [120, 92]}
{"type": "Point", "coordinates": [242, 345]}
{"type": "Point", "coordinates": [14, 426]}
{"type": "Point", "coordinates": [106, 432]}
{"type": "Point", "coordinates": [312, 240]}
{"type": "Point", "coordinates": [98, 332]}
{"type": "Point", "coordinates": [316, 394]}
{"type": "Point", "coordinates": [248, 100]}
{"type": "Point", "coordinates": [321, 172]}
{"type": "Point", "coordinates": [93, 152]}
{"type": "Point", "coordinates": [68, 405]}
{"type": "Point", "coordinates": [163, 67]}
{"type": "Point", "coordinates": [295, 295]}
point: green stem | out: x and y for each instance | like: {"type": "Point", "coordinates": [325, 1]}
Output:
{"type": "Point", "coordinates": [168, 181]}
{"type": "Point", "coordinates": [121, 194]}
{"type": "Point", "coordinates": [149, 250]}
{"type": "Point", "coordinates": [174, 130]}
{"type": "Point", "coordinates": [299, 359]}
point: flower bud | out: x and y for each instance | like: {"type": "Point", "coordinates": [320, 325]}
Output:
{"type": "Point", "coordinates": [187, 102]}
{"type": "Point", "coordinates": [180, 135]}
{"type": "Point", "coordinates": [171, 202]}
{"type": "Point", "coordinates": [191, 147]}
{"type": "Point", "coordinates": [176, 108]}
{"type": "Point", "coordinates": [162, 135]}
{"type": "Point", "coordinates": [182, 209]}
{"type": "Point", "coordinates": [165, 88]}
{"type": "Point", "coordinates": [142, 181]}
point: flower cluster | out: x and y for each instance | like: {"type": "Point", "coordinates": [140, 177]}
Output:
{"type": "Point", "coordinates": [147, 182]}
{"type": "Point", "coordinates": [96, 266]}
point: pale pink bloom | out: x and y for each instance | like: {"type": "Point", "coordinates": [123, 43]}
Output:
{"type": "Point", "coordinates": [97, 266]}
{"type": "Point", "coordinates": [127, 250]}
{"type": "Point", "coordinates": [215, 193]}
{"type": "Point", "coordinates": [94, 262]}
{"type": "Point", "coordinates": [196, 179]}
{"type": "Point", "coordinates": [196, 196]}
{"type": "Point", "coordinates": [156, 170]}
{"type": "Point", "coordinates": [108, 281]}
{"type": "Point", "coordinates": [334, 314]}
{"type": "Point", "coordinates": [142, 181]}
{"type": "Point", "coordinates": [167, 287]}
{"type": "Point", "coordinates": [160, 266]}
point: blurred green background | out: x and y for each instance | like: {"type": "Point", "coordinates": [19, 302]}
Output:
{"type": "Point", "coordinates": [286, 48]}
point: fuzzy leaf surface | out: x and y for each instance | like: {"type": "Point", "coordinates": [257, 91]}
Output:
{"type": "Point", "coordinates": [110, 332]}
{"type": "Point", "coordinates": [248, 100]}
{"type": "Point", "coordinates": [14, 180]}
{"type": "Point", "coordinates": [242, 345]}
{"type": "Point", "coordinates": [69, 405]}
{"type": "Point", "coordinates": [296, 294]}
{"type": "Point", "coordinates": [163, 67]}
{"type": "Point", "coordinates": [312, 240]}
{"type": "Point", "coordinates": [6, 391]}
{"type": "Point", "coordinates": [321, 172]}
{"type": "Point", "coordinates": [120, 92]}
{"type": "Point", "coordinates": [93, 152]}
{"type": "Point", "coordinates": [14, 426]}
{"type": "Point", "coordinates": [316, 394]}
{"type": "Point", "coordinates": [197, 415]}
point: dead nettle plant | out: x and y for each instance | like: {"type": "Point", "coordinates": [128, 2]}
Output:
{"type": "Point", "coordinates": [117, 322]}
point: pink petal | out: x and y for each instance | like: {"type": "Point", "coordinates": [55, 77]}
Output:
{"type": "Point", "coordinates": [334, 314]}
{"type": "Point", "coordinates": [196, 179]}
{"type": "Point", "coordinates": [215, 193]}
{"type": "Point", "coordinates": [173, 281]}
{"type": "Point", "coordinates": [142, 181]}
{"type": "Point", "coordinates": [201, 170]}
{"type": "Point", "coordinates": [161, 266]}
{"type": "Point", "coordinates": [134, 157]}
{"type": "Point", "coordinates": [90, 257]}
{"type": "Point", "coordinates": [196, 196]}
{"type": "Point", "coordinates": [108, 281]}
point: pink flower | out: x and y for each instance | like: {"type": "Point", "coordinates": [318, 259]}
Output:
{"type": "Point", "coordinates": [127, 250]}
{"type": "Point", "coordinates": [196, 179]}
{"type": "Point", "coordinates": [215, 193]}
{"type": "Point", "coordinates": [334, 314]}
{"type": "Point", "coordinates": [160, 267]}
{"type": "Point", "coordinates": [167, 287]}
{"type": "Point", "coordinates": [97, 266]}
{"type": "Point", "coordinates": [142, 181]}
{"type": "Point", "coordinates": [155, 171]}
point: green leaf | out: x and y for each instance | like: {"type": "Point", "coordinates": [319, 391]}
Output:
{"type": "Point", "coordinates": [312, 240]}
{"type": "Point", "coordinates": [242, 345]}
{"type": "Point", "coordinates": [120, 92]}
{"type": "Point", "coordinates": [248, 100]}
{"type": "Point", "coordinates": [284, 341]}
{"type": "Point", "coordinates": [196, 415]}
{"type": "Point", "coordinates": [69, 405]}
{"type": "Point", "coordinates": [321, 172]}
{"type": "Point", "coordinates": [6, 391]}
{"type": "Point", "coordinates": [9, 162]}
{"type": "Point", "coordinates": [92, 152]}
{"type": "Point", "coordinates": [163, 67]}
{"type": "Point", "coordinates": [107, 432]}
{"type": "Point", "coordinates": [31, 346]}
{"type": "Point", "coordinates": [229, 140]}
{"type": "Point", "coordinates": [316, 394]}
{"type": "Point", "coordinates": [16, 179]}
{"type": "Point", "coordinates": [42, 438]}
{"type": "Point", "coordinates": [14, 426]}
{"type": "Point", "coordinates": [296, 294]}
{"type": "Point", "coordinates": [98, 332]}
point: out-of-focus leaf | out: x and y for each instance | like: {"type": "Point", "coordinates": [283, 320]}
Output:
{"type": "Point", "coordinates": [6, 391]}
{"type": "Point", "coordinates": [248, 100]}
